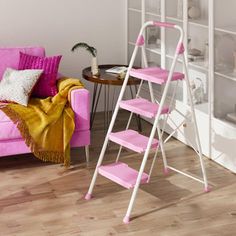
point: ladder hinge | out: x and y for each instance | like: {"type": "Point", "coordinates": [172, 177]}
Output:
{"type": "Point", "coordinates": [180, 48]}
{"type": "Point", "coordinates": [140, 40]}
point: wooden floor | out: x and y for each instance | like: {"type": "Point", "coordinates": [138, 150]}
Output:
{"type": "Point", "coordinates": [39, 199]}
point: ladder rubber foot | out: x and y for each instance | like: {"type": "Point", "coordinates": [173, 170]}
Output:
{"type": "Point", "coordinates": [207, 189]}
{"type": "Point", "coordinates": [126, 220]}
{"type": "Point", "coordinates": [88, 196]}
{"type": "Point", "coordinates": [166, 171]}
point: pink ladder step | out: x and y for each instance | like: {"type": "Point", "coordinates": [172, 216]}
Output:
{"type": "Point", "coordinates": [155, 74]}
{"type": "Point", "coordinates": [122, 174]}
{"type": "Point", "coordinates": [142, 107]}
{"type": "Point", "coordinates": [132, 140]}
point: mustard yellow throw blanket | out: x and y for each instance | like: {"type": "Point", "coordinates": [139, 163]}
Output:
{"type": "Point", "coordinates": [47, 124]}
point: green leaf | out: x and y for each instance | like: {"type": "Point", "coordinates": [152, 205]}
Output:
{"type": "Point", "coordinates": [90, 49]}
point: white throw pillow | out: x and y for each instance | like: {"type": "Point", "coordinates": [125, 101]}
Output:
{"type": "Point", "coordinates": [16, 85]}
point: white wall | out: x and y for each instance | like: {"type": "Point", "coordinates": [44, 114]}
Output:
{"type": "Point", "coordinates": [59, 24]}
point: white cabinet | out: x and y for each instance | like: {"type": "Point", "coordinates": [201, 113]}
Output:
{"type": "Point", "coordinates": [223, 32]}
{"type": "Point", "coordinates": [210, 40]}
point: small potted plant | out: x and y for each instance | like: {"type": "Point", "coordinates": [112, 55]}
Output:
{"type": "Point", "coordinates": [93, 52]}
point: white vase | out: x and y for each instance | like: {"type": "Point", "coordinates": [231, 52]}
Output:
{"type": "Point", "coordinates": [94, 66]}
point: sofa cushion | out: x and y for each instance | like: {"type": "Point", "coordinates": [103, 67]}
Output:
{"type": "Point", "coordinates": [17, 85]}
{"type": "Point", "coordinates": [8, 128]}
{"type": "Point", "coordinates": [46, 86]}
{"type": "Point", "coordinates": [80, 104]}
{"type": "Point", "coordinates": [10, 56]}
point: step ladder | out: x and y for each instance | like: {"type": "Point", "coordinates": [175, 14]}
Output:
{"type": "Point", "coordinates": [121, 173]}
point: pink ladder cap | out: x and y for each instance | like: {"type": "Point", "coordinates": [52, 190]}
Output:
{"type": "Point", "coordinates": [163, 24]}
{"type": "Point", "coordinates": [140, 40]}
{"type": "Point", "coordinates": [180, 48]}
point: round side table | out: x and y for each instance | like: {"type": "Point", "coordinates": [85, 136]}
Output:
{"type": "Point", "coordinates": [106, 80]}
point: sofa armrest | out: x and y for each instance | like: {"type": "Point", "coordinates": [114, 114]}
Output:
{"type": "Point", "coordinates": [80, 103]}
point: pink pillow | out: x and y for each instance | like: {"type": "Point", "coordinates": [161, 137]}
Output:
{"type": "Point", "coordinates": [46, 85]}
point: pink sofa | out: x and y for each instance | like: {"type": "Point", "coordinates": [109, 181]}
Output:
{"type": "Point", "coordinates": [11, 142]}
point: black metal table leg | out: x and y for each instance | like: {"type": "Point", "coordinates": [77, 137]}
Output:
{"type": "Point", "coordinates": [105, 107]}
{"type": "Point", "coordinates": [95, 102]}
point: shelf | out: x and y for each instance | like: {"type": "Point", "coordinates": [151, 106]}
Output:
{"type": "Point", "coordinates": [203, 107]}
{"type": "Point", "coordinates": [122, 174]}
{"type": "Point", "coordinates": [153, 14]}
{"type": "Point", "coordinates": [231, 117]}
{"type": "Point", "coordinates": [134, 10]}
{"type": "Point", "coordinates": [132, 140]}
{"type": "Point", "coordinates": [227, 29]}
{"type": "Point", "coordinates": [227, 75]}
{"type": "Point", "coordinates": [199, 22]}
{"type": "Point", "coordinates": [142, 107]}
{"type": "Point", "coordinates": [132, 43]}
{"type": "Point", "coordinates": [199, 65]}
{"type": "Point", "coordinates": [225, 122]}
{"type": "Point", "coordinates": [174, 18]}
{"type": "Point", "coordinates": [196, 64]}
{"type": "Point", "coordinates": [154, 50]}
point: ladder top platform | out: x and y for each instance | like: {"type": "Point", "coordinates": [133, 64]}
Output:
{"type": "Point", "coordinates": [155, 75]}
{"type": "Point", "coordinates": [122, 174]}
{"type": "Point", "coordinates": [142, 107]}
{"type": "Point", "coordinates": [132, 140]}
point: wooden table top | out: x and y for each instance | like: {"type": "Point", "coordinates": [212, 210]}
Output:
{"type": "Point", "coordinates": [107, 78]}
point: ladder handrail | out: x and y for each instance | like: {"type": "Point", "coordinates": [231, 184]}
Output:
{"type": "Point", "coordinates": [180, 46]}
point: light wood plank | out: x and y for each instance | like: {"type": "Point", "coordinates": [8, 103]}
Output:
{"type": "Point", "coordinates": [43, 199]}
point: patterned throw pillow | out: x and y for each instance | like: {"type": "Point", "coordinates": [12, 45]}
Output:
{"type": "Point", "coordinates": [46, 86]}
{"type": "Point", "coordinates": [16, 85]}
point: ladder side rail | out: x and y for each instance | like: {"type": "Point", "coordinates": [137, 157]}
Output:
{"type": "Point", "coordinates": [173, 95]}
{"type": "Point", "coordinates": [139, 89]}
{"type": "Point", "coordinates": [158, 129]}
{"type": "Point", "coordinates": [155, 156]}
{"type": "Point", "coordinates": [152, 165]}
{"type": "Point", "coordinates": [101, 157]}
{"type": "Point", "coordinates": [170, 108]}
{"type": "Point", "coordinates": [153, 131]}
{"type": "Point", "coordinates": [127, 126]}
{"type": "Point", "coordinates": [144, 59]}
{"type": "Point", "coordinates": [137, 95]}
{"type": "Point", "coordinates": [160, 133]}
{"type": "Point", "coordinates": [146, 65]}
{"type": "Point", "coordinates": [195, 123]}
{"type": "Point", "coordinates": [129, 120]}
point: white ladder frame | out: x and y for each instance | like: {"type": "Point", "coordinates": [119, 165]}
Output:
{"type": "Point", "coordinates": [155, 127]}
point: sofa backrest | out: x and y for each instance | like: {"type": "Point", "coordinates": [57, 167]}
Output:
{"type": "Point", "coordinates": [9, 57]}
